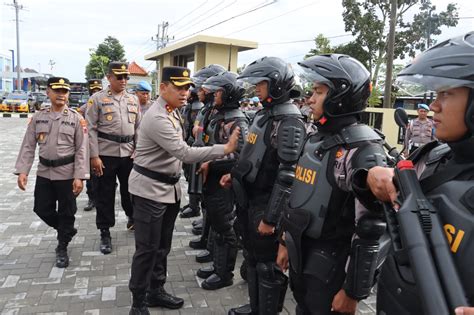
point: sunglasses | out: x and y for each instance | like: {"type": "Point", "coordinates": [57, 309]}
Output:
{"type": "Point", "coordinates": [121, 77]}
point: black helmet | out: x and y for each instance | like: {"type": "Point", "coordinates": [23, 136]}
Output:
{"type": "Point", "coordinates": [226, 81]}
{"type": "Point", "coordinates": [206, 72]}
{"type": "Point", "coordinates": [447, 65]}
{"type": "Point", "coordinates": [348, 81]}
{"type": "Point", "coordinates": [278, 74]}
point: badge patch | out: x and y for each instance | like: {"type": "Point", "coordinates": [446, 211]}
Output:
{"type": "Point", "coordinates": [108, 117]}
{"type": "Point", "coordinates": [339, 153]}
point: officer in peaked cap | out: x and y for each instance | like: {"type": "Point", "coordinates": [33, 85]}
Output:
{"type": "Point", "coordinates": [112, 116]}
{"type": "Point", "coordinates": [155, 189]}
{"type": "Point", "coordinates": [61, 134]}
{"type": "Point", "coordinates": [94, 86]}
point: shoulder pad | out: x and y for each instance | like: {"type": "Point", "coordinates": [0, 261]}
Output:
{"type": "Point", "coordinates": [233, 114]}
{"type": "Point", "coordinates": [422, 151]}
{"type": "Point", "coordinates": [286, 109]}
{"type": "Point", "coordinates": [290, 139]}
{"type": "Point", "coordinates": [359, 132]}
{"type": "Point", "coordinates": [438, 153]}
{"type": "Point", "coordinates": [197, 105]}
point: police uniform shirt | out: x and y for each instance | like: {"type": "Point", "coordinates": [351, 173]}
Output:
{"type": "Point", "coordinates": [113, 114]}
{"type": "Point", "coordinates": [144, 108]}
{"type": "Point", "coordinates": [161, 148]}
{"type": "Point", "coordinates": [58, 134]}
{"type": "Point", "coordinates": [419, 132]}
{"type": "Point", "coordinates": [82, 110]}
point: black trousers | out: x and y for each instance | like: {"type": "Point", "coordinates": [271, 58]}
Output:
{"type": "Point", "coordinates": [91, 186]}
{"type": "Point", "coordinates": [154, 225]}
{"type": "Point", "coordinates": [47, 194]}
{"type": "Point", "coordinates": [115, 167]}
{"type": "Point", "coordinates": [315, 288]}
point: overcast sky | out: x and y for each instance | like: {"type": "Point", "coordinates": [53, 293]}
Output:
{"type": "Point", "coordinates": [64, 31]}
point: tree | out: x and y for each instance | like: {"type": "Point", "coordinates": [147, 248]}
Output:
{"type": "Point", "coordinates": [368, 21]}
{"type": "Point", "coordinates": [107, 51]}
{"type": "Point", "coordinates": [323, 46]}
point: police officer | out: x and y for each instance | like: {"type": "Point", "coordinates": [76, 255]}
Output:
{"type": "Point", "coordinates": [142, 91]}
{"type": "Point", "coordinates": [328, 219]}
{"type": "Point", "coordinates": [94, 86]}
{"type": "Point", "coordinates": [262, 178]}
{"type": "Point", "coordinates": [445, 171]}
{"type": "Point", "coordinates": [61, 134]}
{"type": "Point", "coordinates": [201, 114]}
{"type": "Point", "coordinates": [155, 190]}
{"type": "Point", "coordinates": [112, 116]}
{"type": "Point", "coordinates": [227, 116]}
{"type": "Point", "coordinates": [420, 130]}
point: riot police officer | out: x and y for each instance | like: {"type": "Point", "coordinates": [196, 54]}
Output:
{"type": "Point", "coordinates": [198, 111]}
{"type": "Point", "coordinates": [112, 116]}
{"type": "Point", "coordinates": [262, 178]}
{"type": "Point", "coordinates": [328, 220]}
{"type": "Point", "coordinates": [227, 93]}
{"type": "Point", "coordinates": [445, 170]}
{"type": "Point", "coordinates": [61, 134]}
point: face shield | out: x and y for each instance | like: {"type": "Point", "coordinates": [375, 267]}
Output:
{"type": "Point", "coordinates": [420, 83]}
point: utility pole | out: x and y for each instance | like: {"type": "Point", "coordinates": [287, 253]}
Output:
{"type": "Point", "coordinates": [17, 7]}
{"type": "Point", "coordinates": [51, 63]}
{"type": "Point", "coordinates": [391, 42]}
{"type": "Point", "coordinates": [157, 40]}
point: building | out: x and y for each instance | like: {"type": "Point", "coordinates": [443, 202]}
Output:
{"type": "Point", "coordinates": [137, 74]}
{"type": "Point", "coordinates": [6, 74]}
{"type": "Point", "coordinates": [203, 50]}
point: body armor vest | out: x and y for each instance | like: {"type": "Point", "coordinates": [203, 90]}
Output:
{"type": "Point", "coordinates": [213, 127]}
{"type": "Point", "coordinates": [312, 191]}
{"type": "Point", "coordinates": [256, 145]}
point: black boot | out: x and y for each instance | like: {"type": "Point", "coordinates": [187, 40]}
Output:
{"type": "Point", "coordinates": [90, 205]}
{"type": "Point", "coordinates": [159, 297]}
{"type": "Point", "coordinates": [198, 243]}
{"type": "Point", "coordinates": [197, 222]}
{"type": "Point", "coordinates": [242, 310]}
{"type": "Point", "coordinates": [105, 241]}
{"type": "Point", "coordinates": [138, 305]}
{"type": "Point", "coordinates": [189, 212]}
{"type": "Point", "coordinates": [224, 263]}
{"type": "Point", "coordinates": [197, 230]}
{"type": "Point", "coordinates": [62, 259]}
{"type": "Point", "coordinates": [271, 286]}
{"type": "Point", "coordinates": [243, 270]}
{"type": "Point", "coordinates": [205, 272]}
{"type": "Point", "coordinates": [204, 257]}
{"type": "Point", "coordinates": [252, 279]}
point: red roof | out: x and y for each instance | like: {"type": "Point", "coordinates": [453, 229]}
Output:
{"type": "Point", "coordinates": [136, 69]}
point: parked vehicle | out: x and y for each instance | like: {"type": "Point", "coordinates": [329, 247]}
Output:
{"type": "Point", "coordinates": [17, 101]}
{"type": "Point", "coordinates": [35, 99]}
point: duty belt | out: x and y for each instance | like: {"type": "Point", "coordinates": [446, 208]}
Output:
{"type": "Point", "coordinates": [161, 177]}
{"type": "Point", "coordinates": [59, 162]}
{"type": "Point", "coordinates": [115, 138]}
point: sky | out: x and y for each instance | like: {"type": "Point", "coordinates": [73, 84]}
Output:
{"type": "Point", "coordinates": [65, 31]}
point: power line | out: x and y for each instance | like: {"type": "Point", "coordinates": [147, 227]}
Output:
{"type": "Point", "coordinates": [228, 19]}
{"type": "Point", "coordinates": [198, 7]}
{"type": "Point", "coordinates": [303, 40]}
{"type": "Point", "coordinates": [275, 17]}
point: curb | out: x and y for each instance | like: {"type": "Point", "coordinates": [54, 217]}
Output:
{"type": "Point", "coordinates": [16, 115]}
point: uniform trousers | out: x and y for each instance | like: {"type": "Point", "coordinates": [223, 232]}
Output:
{"type": "Point", "coordinates": [154, 224]}
{"type": "Point", "coordinates": [114, 167]}
{"type": "Point", "coordinates": [55, 204]}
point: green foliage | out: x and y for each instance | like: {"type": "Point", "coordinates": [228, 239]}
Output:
{"type": "Point", "coordinates": [368, 21]}
{"type": "Point", "coordinates": [323, 46]}
{"type": "Point", "coordinates": [374, 98]}
{"type": "Point", "coordinates": [107, 51]}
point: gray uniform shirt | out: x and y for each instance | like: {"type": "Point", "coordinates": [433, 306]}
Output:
{"type": "Point", "coordinates": [58, 134]}
{"type": "Point", "coordinates": [144, 108]}
{"type": "Point", "coordinates": [419, 132]}
{"type": "Point", "coordinates": [161, 148]}
{"type": "Point", "coordinates": [113, 114]}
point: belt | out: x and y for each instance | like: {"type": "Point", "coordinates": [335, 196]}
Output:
{"type": "Point", "coordinates": [161, 177]}
{"type": "Point", "coordinates": [115, 138]}
{"type": "Point", "coordinates": [59, 162]}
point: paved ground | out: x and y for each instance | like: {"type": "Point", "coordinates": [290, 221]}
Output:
{"type": "Point", "coordinates": [93, 283]}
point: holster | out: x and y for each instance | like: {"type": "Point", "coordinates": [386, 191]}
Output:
{"type": "Point", "coordinates": [295, 222]}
